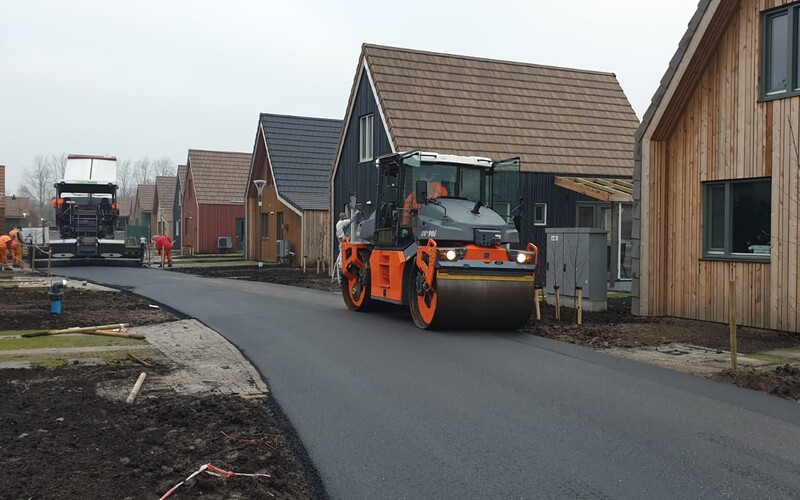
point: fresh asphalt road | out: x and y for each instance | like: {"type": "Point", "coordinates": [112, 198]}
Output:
{"type": "Point", "coordinates": [389, 411]}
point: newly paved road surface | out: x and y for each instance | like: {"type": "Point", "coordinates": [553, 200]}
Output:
{"type": "Point", "coordinates": [389, 411]}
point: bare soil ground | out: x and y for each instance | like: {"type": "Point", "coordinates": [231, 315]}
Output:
{"type": "Point", "coordinates": [618, 328]}
{"type": "Point", "coordinates": [269, 274]}
{"type": "Point", "coordinates": [29, 309]}
{"type": "Point", "coordinates": [60, 439]}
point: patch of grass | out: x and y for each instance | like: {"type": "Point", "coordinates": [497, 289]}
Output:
{"type": "Point", "coordinates": [619, 295]}
{"type": "Point", "coordinates": [63, 341]}
{"type": "Point", "coordinates": [6, 333]}
{"type": "Point", "coordinates": [778, 360]}
{"type": "Point", "coordinates": [49, 363]}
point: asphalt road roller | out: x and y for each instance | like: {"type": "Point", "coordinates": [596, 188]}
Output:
{"type": "Point", "coordinates": [441, 237]}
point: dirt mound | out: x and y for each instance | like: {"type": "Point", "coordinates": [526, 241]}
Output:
{"type": "Point", "coordinates": [617, 327]}
{"type": "Point", "coordinates": [783, 381]}
{"type": "Point", "coordinates": [60, 440]}
{"type": "Point", "coordinates": [29, 309]}
{"type": "Point", "coordinates": [270, 274]}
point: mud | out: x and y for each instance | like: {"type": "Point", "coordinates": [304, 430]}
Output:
{"type": "Point", "coordinates": [59, 439]}
{"type": "Point", "coordinates": [783, 381]}
{"type": "Point", "coordinates": [29, 309]}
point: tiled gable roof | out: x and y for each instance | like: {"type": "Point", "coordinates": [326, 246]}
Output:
{"type": "Point", "coordinates": [182, 169]}
{"type": "Point", "coordinates": [125, 206]}
{"type": "Point", "coordinates": [144, 197]}
{"type": "Point", "coordinates": [219, 177]}
{"type": "Point", "coordinates": [165, 187]}
{"type": "Point", "coordinates": [15, 206]}
{"type": "Point", "coordinates": [558, 120]}
{"type": "Point", "coordinates": [301, 153]}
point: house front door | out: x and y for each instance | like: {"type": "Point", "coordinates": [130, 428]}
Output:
{"type": "Point", "coordinates": [239, 235]}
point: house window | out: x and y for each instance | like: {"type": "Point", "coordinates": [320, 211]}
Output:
{"type": "Point", "coordinates": [264, 226]}
{"type": "Point", "coordinates": [279, 224]}
{"type": "Point", "coordinates": [177, 228]}
{"type": "Point", "coordinates": [540, 214]}
{"type": "Point", "coordinates": [737, 219]}
{"type": "Point", "coordinates": [780, 61]}
{"type": "Point", "coordinates": [365, 138]}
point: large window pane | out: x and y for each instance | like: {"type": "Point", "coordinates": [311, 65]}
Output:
{"type": "Point", "coordinates": [777, 52]}
{"type": "Point", "coordinates": [716, 219]}
{"type": "Point", "coordinates": [586, 216]}
{"type": "Point", "coordinates": [750, 206]}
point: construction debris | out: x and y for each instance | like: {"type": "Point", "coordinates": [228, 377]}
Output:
{"type": "Point", "coordinates": [136, 388]}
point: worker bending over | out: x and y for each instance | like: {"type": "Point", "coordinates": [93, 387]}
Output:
{"type": "Point", "coordinates": [16, 245]}
{"type": "Point", "coordinates": [164, 248]}
{"type": "Point", "coordinates": [5, 246]}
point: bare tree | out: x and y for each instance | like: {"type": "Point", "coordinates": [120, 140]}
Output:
{"type": "Point", "coordinates": [59, 165]}
{"type": "Point", "coordinates": [125, 178]}
{"type": "Point", "coordinates": [37, 182]}
{"type": "Point", "coordinates": [143, 171]}
{"type": "Point", "coordinates": [164, 166]}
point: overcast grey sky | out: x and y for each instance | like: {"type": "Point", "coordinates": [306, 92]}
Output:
{"type": "Point", "coordinates": [157, 77]}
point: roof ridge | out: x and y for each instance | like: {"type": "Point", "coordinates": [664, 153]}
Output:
{"type": "Point", "coordinates": [299, 116]}
{"type": "Point", "coordinates": [217, 151]}
{"type": "Point", "coordinates": [366, 45]}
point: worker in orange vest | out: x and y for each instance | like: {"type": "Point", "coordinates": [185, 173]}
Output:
{"type": "Point", "coordinates": [164, 248]}
{"type": "Point", "coordinates": [5, 246]}
{"type": "Point", "coordinates": [16, 245]}
{"type": "Point", "coordinates": [435, 190]}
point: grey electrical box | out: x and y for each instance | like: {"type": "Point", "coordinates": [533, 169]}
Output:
{"type": "Point", "coordinates": [578, 257]}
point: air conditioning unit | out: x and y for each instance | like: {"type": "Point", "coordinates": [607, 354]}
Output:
{"type": "Point", "coordinates": [224, 242]}
{"type": "Point", "coordinates": [284, 247]}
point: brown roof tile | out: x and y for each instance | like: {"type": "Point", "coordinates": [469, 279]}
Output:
{"type": "Point", "coordinates": [219, 178]}
{"type": "Point", "coordinates": [15, 206]}
{"type": "Point", "coordinates": [558, 120]}
{"type": "Point", "coordinates": [144, 197]}
{"type": "Point", "coordinates": [165, 189]}
{"type": "Point", "coordinates": [182, 169]}
{"type": "Point", "coordinates": [125, 206]}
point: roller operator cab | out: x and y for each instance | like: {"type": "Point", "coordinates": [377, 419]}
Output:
{"type": "Point", "coordinates": [443, 239]}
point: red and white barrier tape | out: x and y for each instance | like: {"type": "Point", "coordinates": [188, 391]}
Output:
{"type": "Point", "coordinates": [214, 471]}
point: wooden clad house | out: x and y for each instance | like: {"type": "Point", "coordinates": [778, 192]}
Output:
{"type": "Point", "coordinates": [143, 206]}
{"type": "Point", "coordinates": [213, 202]}
{"type": "Point", "coordinates": [562, 123]}
{"type": "Point", "coordinates": [293, 154]}
{"type": "Point", "coordinates": [163, 200]}
{"type": "Point", "coordinates": [717, 174]}
{"type": "Point", "coordinates": [177, 204]}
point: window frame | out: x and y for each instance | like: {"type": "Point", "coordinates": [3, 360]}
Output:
{"type": "Point", "coordinates": [366, 145]}
{"type": "Point", "coordinates": [727, 254]}
{"type": "Point", "coordinates": [543, 222]}
{"type": "Point", "coordinates": [792, 12]}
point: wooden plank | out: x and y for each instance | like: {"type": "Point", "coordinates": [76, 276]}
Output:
{"type": "Point", "coordinates": [570, 184]}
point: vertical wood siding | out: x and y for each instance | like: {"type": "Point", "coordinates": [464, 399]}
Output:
{"type": "Point", "coordinates": [216, 221]}
{"type": "Point", "coordinates": [722, 132]}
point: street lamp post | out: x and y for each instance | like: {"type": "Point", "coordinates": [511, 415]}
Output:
{"type": "Point", "coordinates": [42, 221]}
{"type": "Point", "coordinates": [260, 183]}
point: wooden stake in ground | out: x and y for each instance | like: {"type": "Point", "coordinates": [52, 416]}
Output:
{"type": "Point", "coordinates": [85, 329]}
{"type": "Point", "coordinates": [317, 266]}
{"type": "Point", "coordinates": [136, 388]}
{"type": "Point", "coordinates": [733, 315]}
{"type": "Point", "coordinates": [558, 303]}
{"type": "Point", "coordinates": [536, 302]}
{"type": "Point", "coordinates": [580, 304]}
{"type": "Point", "coordinates": [305, 264]}
{"type": "Point", "coordinates": [49, 262]}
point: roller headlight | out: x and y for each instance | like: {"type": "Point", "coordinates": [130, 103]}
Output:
{"type": "Point", "coordinates": [450, 255]}
{"type": "Point", "coordinates": [521, 258]}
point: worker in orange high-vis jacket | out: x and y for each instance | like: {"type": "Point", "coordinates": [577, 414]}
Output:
{"type": "Point", "coordinates": [5, 246]}
{"type": "Point", "coordinates": [164, 248]}
{"type": "Point", "coordinates": [16, 245]}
